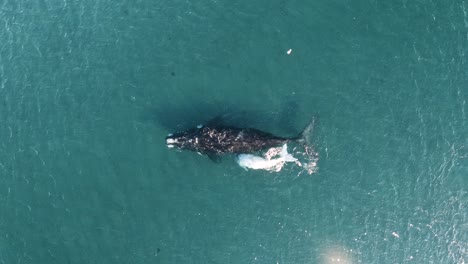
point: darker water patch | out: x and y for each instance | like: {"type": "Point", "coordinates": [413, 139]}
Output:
{"type": "Point", "coordinates": [183, 116]}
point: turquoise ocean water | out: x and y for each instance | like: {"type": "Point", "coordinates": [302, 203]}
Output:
{"type": "Point", "coordinates": [89, 90]}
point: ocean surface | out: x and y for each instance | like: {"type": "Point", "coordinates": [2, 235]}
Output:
{"type": "Point", "coordinates": [89, 90]}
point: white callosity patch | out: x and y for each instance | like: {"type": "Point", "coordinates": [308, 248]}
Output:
{"type": "Point", "coordinates": [170, 142]}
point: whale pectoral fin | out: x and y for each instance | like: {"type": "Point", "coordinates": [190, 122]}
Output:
{"type": "Point", "coordinates": [215, 158]}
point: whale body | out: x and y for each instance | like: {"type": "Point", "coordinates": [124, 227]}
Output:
{"type": "Point", "coordinates": [216, 140]}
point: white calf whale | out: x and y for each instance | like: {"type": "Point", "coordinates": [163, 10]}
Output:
{"type": "Point", "coordinates": [249, 161]}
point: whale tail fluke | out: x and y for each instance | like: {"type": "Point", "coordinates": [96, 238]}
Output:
{"type": "Point", "coordinates": [304, 136]}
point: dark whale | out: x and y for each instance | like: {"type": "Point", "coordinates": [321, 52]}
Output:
{"type": "Point", "coordinates": [215, 140]}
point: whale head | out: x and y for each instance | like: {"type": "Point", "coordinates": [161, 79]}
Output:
{"type": "Point", "coordinates": [182, 140]}
{"type": "Point", "coordinates": [176, 141]}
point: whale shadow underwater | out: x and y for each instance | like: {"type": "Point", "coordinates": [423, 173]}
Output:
{"type": "Point", "coordinates": [189, 113]}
